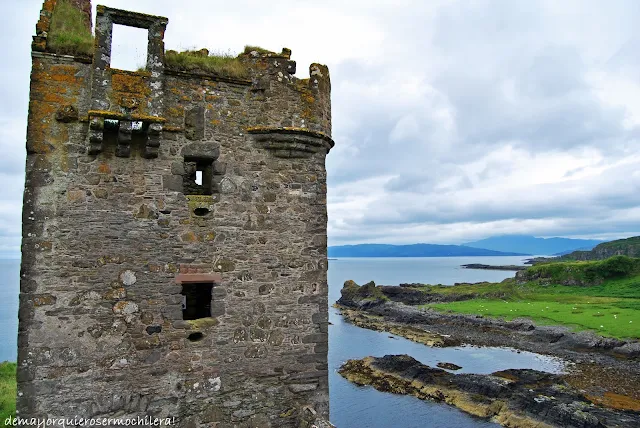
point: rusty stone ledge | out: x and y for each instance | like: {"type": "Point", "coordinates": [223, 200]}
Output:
{"type": "Point", "coordinates": [70, 58]}
{"type": "Point", "coordinates": [106, 114]}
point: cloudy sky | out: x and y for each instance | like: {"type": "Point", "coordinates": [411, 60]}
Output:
{"type": "Point", "coordinates": [453, 120]}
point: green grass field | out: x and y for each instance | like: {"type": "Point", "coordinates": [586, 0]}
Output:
{"type": "Point", "coordinates": [7, 391]}
{"type": "Point", "coordinates": [610, 309]}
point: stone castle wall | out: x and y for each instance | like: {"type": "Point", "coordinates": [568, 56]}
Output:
{"type": "Point", "coordinates": [114, 229]}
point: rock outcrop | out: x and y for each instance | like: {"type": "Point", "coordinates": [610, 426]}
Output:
{"type": "Point", "coordinates": [413, 333]}
{"type": "Point", "coordinates": [513, 398]}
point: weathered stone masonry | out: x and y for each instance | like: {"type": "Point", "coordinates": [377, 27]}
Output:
{"type": "Point", "coordinates": [118, 236]}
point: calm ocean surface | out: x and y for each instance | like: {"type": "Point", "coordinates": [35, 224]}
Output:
{"type": "Point", "coordinates": [364, 407]}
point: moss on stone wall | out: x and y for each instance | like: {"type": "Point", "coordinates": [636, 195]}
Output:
{"type": "Point", "coordinates": [68, 33]}
{"type": "Point", "coordinates": [223, 64]}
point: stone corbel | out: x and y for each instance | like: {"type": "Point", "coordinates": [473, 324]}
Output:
{"type": "Point", "coordinates": [286, 142]}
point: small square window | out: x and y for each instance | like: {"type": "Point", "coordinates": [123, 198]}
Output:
{"type": "Point", "coordinates": [198, 176]}
{"type": "Point", "coordinates": [196, 301]}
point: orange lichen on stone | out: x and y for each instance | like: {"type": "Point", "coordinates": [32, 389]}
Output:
{"type": "Point", "coordinates": [76, 195]}
{"type": "Point", "coordinates": [121, 116]}
{"type": "Point", "coordinates": [122, 81]}
{"type": "Point", "coordinates": [45, 245]}
{"type": "Point", "coordinates": [44, 23]}
{"type": "Point", "coordinates": [53, 98]}
{"type": "Point", "coordinates": [175, 112]}
{"type": "Point", "coordinates": [189, 237]}
{"type": "Point", "coordinates": [616, 401]}
{"type": "Point", "coordinates": [104, 168]}
{"type": "Point", "coordinates": [44, 300]}
{"type": "Point", "coordinates": [41, 138]}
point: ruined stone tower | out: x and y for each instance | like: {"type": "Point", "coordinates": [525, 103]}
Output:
{"type": "Point", "coordinates": [174, 233]}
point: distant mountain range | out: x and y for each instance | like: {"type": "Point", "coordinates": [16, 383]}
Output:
{"type": "Point", "coordinates": [562, 253]}
{"type": "Point", "coordinates": [505, 245]}
{"type": "Point", "coordinates": [532, 245]}
{"type": "Point", "coordinates": [414, 250]}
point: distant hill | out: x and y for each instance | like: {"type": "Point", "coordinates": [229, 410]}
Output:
{"type": "Point", "coordinates": [562, 253]}
{"type": "Point", "coordinates": [621, 247]}
{"type": "Point", "coordinates": [531, 245]}
{"type": "Point", "coordinates": [414, 250]}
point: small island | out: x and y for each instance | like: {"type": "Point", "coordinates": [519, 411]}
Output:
{"type": "Point", "coordinates": [493, 267]}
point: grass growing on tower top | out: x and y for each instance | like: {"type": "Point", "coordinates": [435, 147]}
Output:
{"type": "Point", "coordinates": [249, 49]}
{"type": "Point", "coordinates": [68, 33]}
{"type": "Point", "coordinates": [223, 64]}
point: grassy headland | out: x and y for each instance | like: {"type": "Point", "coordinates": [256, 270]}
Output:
{"type": "Point", "coordinates": [7, 390]}
{"type": "Point", "coordinates": [603, 296]}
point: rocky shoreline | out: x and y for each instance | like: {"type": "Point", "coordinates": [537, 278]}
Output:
{"type": "Point", "coordinates": [378, 323]}
{"type": "Point", "coordinates": [512, 398]}
{"type": "Point", "coordinates": [606, 370]}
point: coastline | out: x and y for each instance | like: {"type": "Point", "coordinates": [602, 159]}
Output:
{"type": "Point", "coordinates": [602, 369]}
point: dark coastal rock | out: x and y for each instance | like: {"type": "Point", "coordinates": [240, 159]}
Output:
{"type": "Point", "coordinates": [522, 398]}
{"type": "Point", "coordinates": [370, 295]}
{"type": "Point", "coordinates": [448, 366]}
{"type": "Point", "coordinates": [356, 296]}
{"type": "Point", "coordinates": [409, 296]}
{"type": "Point", "coordinates": [416, 334]}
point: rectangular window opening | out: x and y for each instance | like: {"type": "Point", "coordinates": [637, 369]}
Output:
{"type": "Point", "coordinates": [198, 176]}
{"type": "Point", "coordinates": [196, 301]}
{"type": "Point", "coordinates": [129, 47]}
